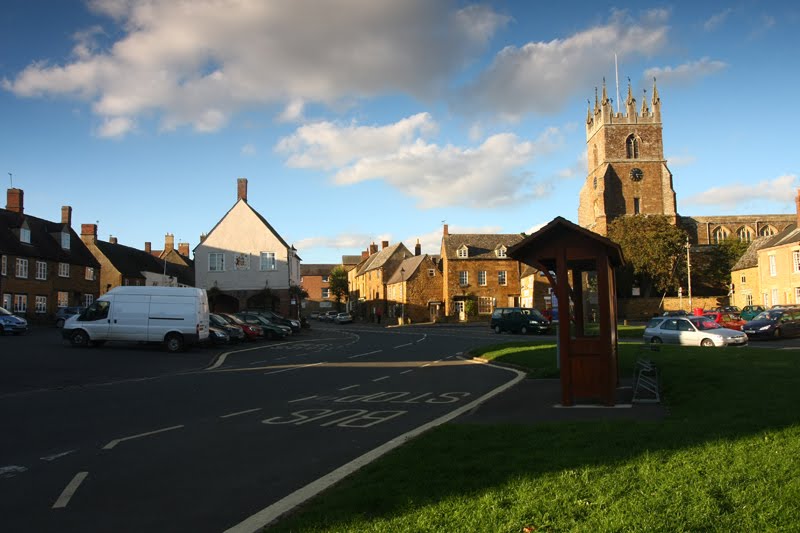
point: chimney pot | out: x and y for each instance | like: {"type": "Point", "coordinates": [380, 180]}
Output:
{"type": "Point", "coordinates": [373, 248]}
{"type": "Point", "coordinates": [364, 254]}
{"type": "Point", "coordinates": [14, 200]}
{"type": "Point", "coordinates": [169, 242]}
{"type": "Point", "coordinates": [384, 245]}
{"type": "Point", "coordinates": [203, 237]}
{"type": "Point", "coordinates": [148, 247]}
{"type": "Point", "coordinates": [112, 240]}
{"type": "Point", "coordinates": [89, 233]}
{"type": "Point", "coordinates": [66, 215]}
{"type": "Point", "coordinates": [241, 189]}
{"type": "Point", "coordinates": [446, 231]}
{"type": "Point", "coordinates": [418, 248]}
{"type": "Point", "coordinates": [183, 249]}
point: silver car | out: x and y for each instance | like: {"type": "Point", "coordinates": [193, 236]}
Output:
{"type": "Point", "coordinates": [691, 331]}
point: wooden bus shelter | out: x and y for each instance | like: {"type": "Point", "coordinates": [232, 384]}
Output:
{"type": "Point", "coordinates": [580, 266]}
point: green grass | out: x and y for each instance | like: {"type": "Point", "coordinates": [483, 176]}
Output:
{"type": "Point", "coordinates": [727, 458]}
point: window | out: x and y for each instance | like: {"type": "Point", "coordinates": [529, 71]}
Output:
{"type": "Point", "coordinates": [482, 278]}
{"type": "Point", "coordinates": [326, 293]}
{"type": "Point", "coordinates": [25, 235]}
{"type": "Point", "coordinates": [502, 278]}
{"type": "Point", "coordinates": [501, 252]}
{"type": "Point", "coordinates": [3, 265]}
{"type": "Point", "coordinates": [718, 235]}
{"type": "Point", "coordinates": [632, 147]}
{"type": "Point", "coordinates": [63, 298]}
{"type": "Point", "coordinates": [636, 207]}
{"type": "Point", "coordinates": [22, 268]}
{"type": "Point", "coordinates": [748, 299]}
{"type": "Point", "coordinates": [8, 304]}
{"type": "Point", "coordinates": [431, 272]}
{"type": "Point", "coordinates": [773, 269]}
{"type": "Point", "coordinates": [20, 303]}
{"type": "Point", "coordinates": [463, 252]}
{"type": "Point", "coordinates": [744, 234]}
{"type": "Point", "coordinates": [63, 270]}
{"type": "Point", "coordinates": [765, 299]}
{"type": "Point", "coordinates": [216, 262]}
{"type": "Point", "coordinates": [325, 279]}
{"type": "Point", "coordinates": [775, 297]}
{"type": "Point", "coordinates": [463, 278]}
{"type": "Point", "coordinates": [41, 270]}
{"type": "Point", "coordinates": [766, 231]}
{"type": "Point", "coordinates": [268, 261]}
{"type": "Point", "coordinates": [88, 299]}
{"type": "Point", "coordinates": [796, 260]}
{"type": "Point", "coordinates": [485, 305]}
{"type": "Point", "coordinates": [89, 274]}
{"type": "Point", "coordinates": [797, 295]}
{"type": "Point", "coordinates": [65, 240]}
{"type": "Point", "coordinates": [41, 304]}
{"type": "Point", "coordinates": [744, 278]}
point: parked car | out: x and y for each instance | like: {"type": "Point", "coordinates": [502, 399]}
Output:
{"type": "Point", "coordinates": [749, 312]}
{"type": "Point", "coordinates": [252, 332]}
{"type": "Point", "coordinates": [314, 315]}
{"type": "Point", "coordinates": [218, 336]}
{"type": "Point", "coordinates": [275, 318]}
{"type": "Point", "coordinates": [64, 313]}
{"type": "Point", "coordinates": [328, 316]}
{"type": "Point", "coordinates": [726, 320]}
{"type": "Point", "coordinates": [774, 323]}
{"type": "Point", "coordinates": [270, 329]}
{"type": "Point", "coordinates": [343, 318]}
{"type": "Point", "coordinates": [9, 322]}
{"type": "Point", "coordinates": [691, 331]}
{"type": "Point", "coordinates": [679, 312]}
{"type": "Point", "coordinates": [725, 309]}
{"type": "Point", "coordinates": [234, 331]}
{"type": "Point", "coordinates": [518, 320]}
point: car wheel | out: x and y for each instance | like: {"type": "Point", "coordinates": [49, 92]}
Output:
{"type": "Point", "coordinates": [707, 343]}
{"type": "Point", "coordinates": [524, 330]}
{"type": "Point", "coordinates": [174, 343]}
{"type": "Point", "coordinates": [79, 338]}
{"type": "Point", "coordinates": [60, 323]}
{"type": "Point", "coordinates": [656, 340]}
{"type": "Point", "coordinates": [777, 333]}
{"type": "Point", "coordinates": [497, 329]}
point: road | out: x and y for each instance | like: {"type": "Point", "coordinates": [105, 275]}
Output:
{"type": "Point", "coordinates": [130, 438]}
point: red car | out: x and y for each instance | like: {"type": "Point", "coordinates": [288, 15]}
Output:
{"type": "Point", "coordinates": [726, 320]}
{"type": "Point", "coordinates": [251, 331]}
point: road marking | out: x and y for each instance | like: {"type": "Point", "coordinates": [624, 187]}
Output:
{"type": "Point", "coordinates": [350, 387]}
{"type": "Point", "coordinates": [380, 379]}
{"type": "Point", "coordinates": [70, 489]}
{"type": "Point", "coordinates": [269, 514]}
{"type": "Point", "coordinates": [303, 399]}
{"type": "Point", "coordinates": [259, 362]}
{"type": "Point", "coordinates": [423, 338]}
{"type": "Point", "coordinates": [56, 456]}
{"type": "Point", "coordinates": [403, 345]}
{"type": "Point", "coordinates": [237, 413]}
{"type": "Point", "coordinates": [363, 354]}
{"type": "Point", "coordinates": [11, 471]}
{"type": "Point", "coordinates": [114, 442]}
{"type": "Point", "coordinates": [407, 371]}
{"type": "Point", "coordinates": [294, 368]}
{"type": "Point", "coordinates": [426, 364]}
{"type": "Point", "coordinates": [221, 358]}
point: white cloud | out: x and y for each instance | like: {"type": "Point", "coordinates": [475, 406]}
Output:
{"type": "Point", "coordinates": [489, 175]}
{"type": "Point", "coordinates": [687, 72]}
{"type": "Point", "coordinates": [293, 112]}
{"type": "Point", "coordinates": [196, 63]}
{"type": "Point", "coordinates": [543, 76]}
{"type": "Point", "coordinates": [115, 127]}
{"type": "Point", "coordinates": [346, 241]}
{"type": "Point", "coordinates": [780, 189]}
{"type": "Point", "coordinates": [683, 160]}
{"type": "Point", "coordinates": [536, 227]}
{"type": "Point", "coordinates": [718, 19]}
{"type": "Point", "coordinates": [249, 149]}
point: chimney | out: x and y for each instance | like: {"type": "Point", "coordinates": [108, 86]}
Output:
{"type": "Point", "coordinates": [446, 231]}
{"type": "Point", "coordinates": [418, 248]}
{"type": "Point", "coordinates": [14, 200]}
{"type": "Point", "coordinates": [203, 237]}
{"type": "Point", "coordinates": [112, 240]}
{"type": "Point", "coordinates": [373, 248]}
{"type": "Point", "coordinates": [89, 233]}
{"type": "Point", "coordinates": [183, 249]}
{"type": "Point", "coordinates": [169, 242]}
{"type": "Point", "coordinates": [241, 189]}
{"type": "Point", "coordinates": [364, 254]}
{"type": "Point", "coordinates": [148, 247]}
{"type": "Point", "coordinates": [384, 245]}
{"type": "Point", "coordinates": [66, 215]}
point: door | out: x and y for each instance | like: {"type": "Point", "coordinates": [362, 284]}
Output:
{"type": "Point", "coordinates": [687, 334]}
{"type": "Point", "coordinates": [669, 331]}
{"type": "Point", "coordinates": [129, 319]}
{"type": "Point", "coordinates": [95, 320]}
{"type": "Point", "coordinates": [460, 310]}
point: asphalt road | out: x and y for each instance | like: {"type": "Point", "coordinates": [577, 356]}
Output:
{"type": "Point", "coordinates": [129, 438]}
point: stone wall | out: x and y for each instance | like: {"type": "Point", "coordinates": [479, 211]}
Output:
{"type": "Point", "coordinates": [644, 308]}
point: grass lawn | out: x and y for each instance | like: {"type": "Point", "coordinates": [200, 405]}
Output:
{"type": "Point", "coordinates": [727, 458]}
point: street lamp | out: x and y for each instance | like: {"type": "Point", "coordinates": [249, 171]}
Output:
{"type": "Point", "coordinates": [403, 295]}
{"type": "Point", "coordinates": [689, 272]}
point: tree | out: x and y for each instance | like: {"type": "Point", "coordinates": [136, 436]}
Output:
{"type": "Point", "coordinates": [298, 294]}
{"type": "Point", "coordinates": [651, 245]}
{"type": "Point", "coordinates": [712, 267]}
{"type": "Point", "coordinates": [337, 282]}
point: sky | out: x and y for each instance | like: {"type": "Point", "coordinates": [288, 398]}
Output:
{"type": "Point", "coordinates": [358, 121]}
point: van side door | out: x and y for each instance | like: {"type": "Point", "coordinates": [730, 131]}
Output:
{"type": "Point", "coordinates": [95, 320]}
{"type": "Point", "coordinates": [171, 313]}
{"type": "Point", "coordinates": [129, 320]}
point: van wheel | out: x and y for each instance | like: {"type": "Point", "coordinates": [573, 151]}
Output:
{"type": "Point", "coordinates": [79, 338]}
{"type": "Point", "coordinates": [708, 343]}
{"type": "Point", "coordinates": [174, 343]}
{"type": "Point", "coordinates": [497, 329]}
{"type": "Point", "coordinates": [524, 330]}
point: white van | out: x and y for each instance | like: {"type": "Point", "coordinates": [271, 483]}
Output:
{"type": "Point", "coordinates": [176, 316]}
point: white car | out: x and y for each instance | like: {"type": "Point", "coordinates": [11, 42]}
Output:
{"type": "Point", "coordinates": [343, 318]}
{"type": "Point", "coordinates": [691, 331]}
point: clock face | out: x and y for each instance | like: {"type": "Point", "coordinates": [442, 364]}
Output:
{"type": "Point", "coordinates": [637, 174]}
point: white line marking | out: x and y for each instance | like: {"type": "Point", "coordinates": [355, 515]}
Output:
{"type": "Point", "coordinates": [363, 354]}
{"type": "Point", "coordinates": [426, 364]}
{"type": "Point", "coordinates": [56, 456]}
{"type": "Point", "coordinates": [11, 471]}
{"type": "Point", "coordinates": [403, 345]}
{"type": "Point", "coordinates": [114, 442]}
{"type": "Point", "coordinates": [70, 489]}
{"type": "Point", "coordinates": [258, 362]}
{"type": "Point", "coordinates": [380, 379]}
{"type": "Point", "coordinates": [269, 514]}
{"type": "Point", "coordinates": [303, 399]}
{"type": "Point", "coordinates": [221, 359]}
{"type": "Point", "coordinates": [406, 371]}
{"type": "Point", "coordinates": [350, 387]}
{"type": "Point", "coordinates": [423, 338]}
{"type": "Point", "coordinates": [294, 368]}
{"type": "Point", "coordinates": [237, 413]}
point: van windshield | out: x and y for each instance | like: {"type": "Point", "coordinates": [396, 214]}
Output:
{"type": "Point", "coordinates": [533, 313]}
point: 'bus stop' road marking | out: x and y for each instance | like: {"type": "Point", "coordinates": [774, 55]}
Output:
{"type": "Point", "coordinates": [70, 489]}
{"type": "Point", "coordinates": [237, 413]}
{"type": "Point", "coordinates": [114, 442]}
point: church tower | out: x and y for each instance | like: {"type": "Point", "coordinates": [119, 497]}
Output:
{"type": "Point", "coordinates": [628, 174]}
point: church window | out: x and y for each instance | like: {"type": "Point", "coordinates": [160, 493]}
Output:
{"type": "Point", "coordinates": [594, 149]}
{"type": "Point", "coordinates": [718, 235]}
{"type": "Point", "coordinates": [636, 207]}
{"type": "Point", "coordinates": [766, 231]}
{"type": "Point", "coordinates": [745, 234]}
{"type": "Point", "coordinates": [595, 182]}
{"type": "Point", "coordinates": [632, 147]}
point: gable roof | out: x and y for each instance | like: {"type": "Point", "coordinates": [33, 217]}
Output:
{"type": "Point", "coordinates": [480, 245]}
{"type": "Point", "coordinates": [131, 263]}
{"type": "Point", "coordinates": [45, 240]}
{"type": "Point", "coordinates": [749, 258]}
{"type": "Point", "coordinates": [408, 267]}
{"type": "Point", "coordinates": [790, 235]}
{"type": "Point", "coordinates": [316, 270]}
{"type": "Point", "coordinates": [379, 259]}
{"type": "Point", "coordinates": [258, 215]}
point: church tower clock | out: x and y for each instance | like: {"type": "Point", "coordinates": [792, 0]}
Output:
{"type": "Point", "coordinates": [628, 174]}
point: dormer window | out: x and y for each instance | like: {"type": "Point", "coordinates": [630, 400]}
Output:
{"type": "Point", "coordinates": [463, 252]}
{"type": "Point", "coordinates": [25, 235]}
{"type": "Point", "coordinates": [65, 240]}
{"type": "Point", "coordinates": [501, 251]}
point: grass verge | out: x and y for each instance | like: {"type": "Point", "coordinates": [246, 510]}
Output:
{"type": "Point", "coordinates": [726, 459]}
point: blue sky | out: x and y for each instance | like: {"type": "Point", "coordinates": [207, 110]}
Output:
{"type": "Point", "coordinates": [366, 120]}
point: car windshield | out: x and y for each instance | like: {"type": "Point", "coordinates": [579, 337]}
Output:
{"type": "Point", "coordinates": [234, 319]}
{"type": "Point", "coordinates": [703, 323]}
{"type": "Point", "coordinates": [769, 315]}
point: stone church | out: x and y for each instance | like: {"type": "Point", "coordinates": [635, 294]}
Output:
{"type": "Point", "coordinates": [628, 175]}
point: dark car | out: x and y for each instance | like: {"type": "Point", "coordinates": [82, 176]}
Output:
{"type": "Point", "coordinates": [270, 329]}
{"type": "Point", "coordinates": [518, 320]}
{"type": "Point", "coordinates": [275, 318]}
{"type": "Point", "coordinates": [252, 332]}
{"type": "Point", "coordinates": [9, 322]}
{"type": "Point", "coordinates": [234, 331]}
{"type": "Point", "coordinates": [64, 313]}
{"type": "Point", "coordinates": [217, 336]}
{"type": "Point", "coordinates": [775, 323]}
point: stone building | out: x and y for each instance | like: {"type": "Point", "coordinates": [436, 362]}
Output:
{"type": "Point", "coordinates": [314, 278]}
{"type": "Point", "coordinates": [367, 281]}
{"type": "Point", "coordinates": [414, 292]}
